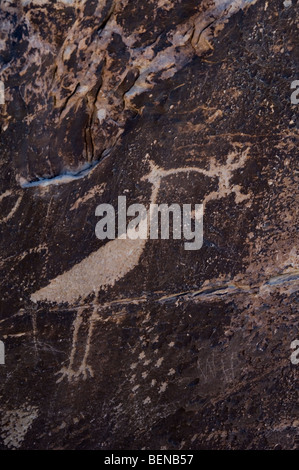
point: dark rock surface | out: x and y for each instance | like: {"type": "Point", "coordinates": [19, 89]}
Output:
{"type": "Point", "coordinates": [131, 344]}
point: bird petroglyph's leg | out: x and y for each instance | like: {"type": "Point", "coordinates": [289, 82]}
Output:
{"type": "Point", "coordinates": [84, 370]}
{"type": "Point", "coordinates": [80, 280]}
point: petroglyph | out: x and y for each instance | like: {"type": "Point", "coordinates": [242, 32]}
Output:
{"type": "Point", "coordinates": [209, 292]}
{"type": "Point", "coordinates": [8, 193]}
{"type": "Point", "coordinates": [213, 367]}
{"type": "Point", "coordinates": [84, 370]}
{"type": "Point", "coordinates": [15, 425]}
{"type": "Point", "coordinates": [134, 339]}
{"type": "Point", "coordinates": [95, 191]}
{"type": "Point", "coordinates": [208, 369]}
{"type": "Point", "coordinates": [120, 256]}
{"type": "Point", "coordinates": [229, 369]}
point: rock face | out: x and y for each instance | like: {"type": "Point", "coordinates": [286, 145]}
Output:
{"type": "Point", "coordinates": [131, 344]}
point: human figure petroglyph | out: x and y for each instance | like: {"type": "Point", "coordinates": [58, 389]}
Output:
{"type": "Point", "coordinates": [211, 367]}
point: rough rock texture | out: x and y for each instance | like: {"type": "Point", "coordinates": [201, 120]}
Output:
{"type": "Point", "coordinates": [142, 344]}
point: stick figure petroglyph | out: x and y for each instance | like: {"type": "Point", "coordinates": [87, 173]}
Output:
{"type": "Point", "coordinates": [209, 368]}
